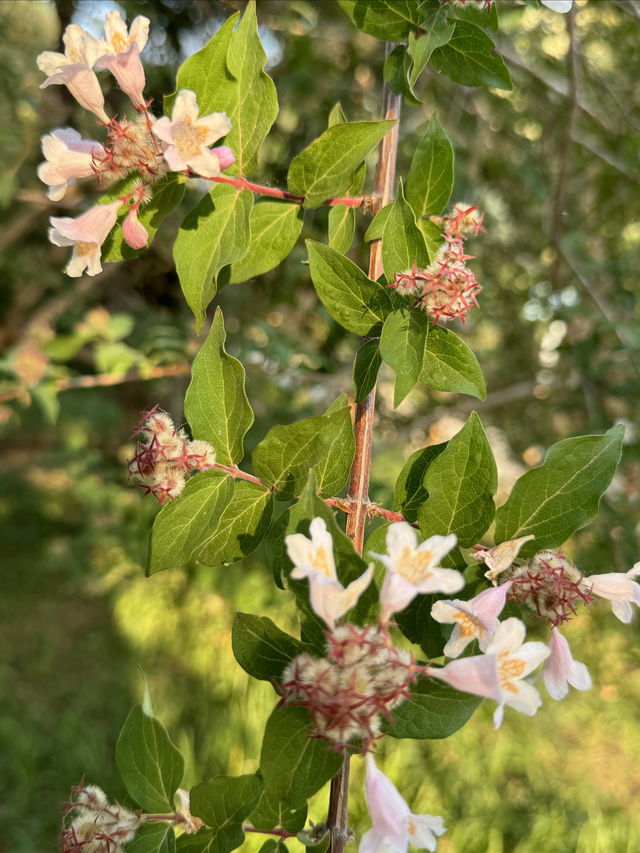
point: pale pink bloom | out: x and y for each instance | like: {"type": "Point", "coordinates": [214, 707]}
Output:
{"type": "Point", "coordinates": [477, 675]}
{"type": "Point", "coordinates": [394, 826]}
{"type": "Point", "coordinates": [68, 157]}
{"type": "Point", "coordinates": [619, 588]}
{"type": "Point", "coordinates": [313, 559]}
{"type": "Point", "coordinates": [473, 619]}
{"type": "Point", "coordinates": [515, 659]}
{"type": "Point", "coordinates": [413, 569]}
{"type": "Point", "coordinates": [86, 234]}
{"type": "Point", "coordinates": [74, 69]}
{"type": "Point", "coordinates": [499, 558]}
{"type": "Point", "coordinates": [561, 669]}
{"type": "Point", "coordinates": [188, 136]}
{"type": "Point", "coordinates": [133, 231]}
{"type": "Point", "coordinates": [122, 49]}
{"type": "Point", "coordinates": [558, 5]}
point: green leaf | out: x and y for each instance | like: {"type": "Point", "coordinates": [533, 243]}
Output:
{"type": "Point", "coordinates": [275, 227]}
{"type": "Point", "coordinates": [389, 20]}
{"type": "Point", "coordinates": [351, 298]}
{"type": "Point", "coordinates": [166, 194]}
{"type": "Point", "coordinates": [283, 458]}
{"type": "Point", "coordinates": [377, 225]}
{"type": "Point", "coordinates": [365, 369]}
{"type": "Point", "coordinates": [402, 240]}
{"type": "Point", "coordinates": [461, 483]}
{"type": "Point", "coordinates": [223, 803]}
{"type": "Point", "coordinates": [410, 491]}
{"type": "Point", "coordinates": [467, 58]}
{"type": "Point", "coordinates": [149, 763]}
{"type": "Point", "coordinates": [269, 814]}
{"type": "Point", "coordinates": [261, 648]}
{"type": "Point", "coordinates": [182, 524]}
{"type": "Point", "coordinates": [337, 116]}
{"type": "Point", "coordinates": [402, 346]}
{"type": "Point", "coordinates": [421, 45]}
{"type": "Point", "coordinates": [433, 237]}
{"type": "Point", "coordinates": [419, 627]}
{"type": "Point", "coordinates": [213, 234]}
{"type": "Point", "coordinates": [430, 178]}
{"type": "Point", "coordinates": [342, 226]}
{"type": "Point", "coordinates": [227, 75]}
{"type": "Point", "coordinates": [325, 168]}
{"type": "Point", "coordinates": [449, 365]}
{"type": "Point", "coordinates": [153, 838]}
{"type": "Point", "coordinates": [216, 404]}
{"type": "Point", "coordinates": [475, 15]}
{"type": "Point", "coordinates": [433, 710]}
{"type": "Point", "coordinates": [396, 72]}
{"type": "Point", "coordinates": [292, 763]}
{"type": "Point", "coordinates": [561, 495]}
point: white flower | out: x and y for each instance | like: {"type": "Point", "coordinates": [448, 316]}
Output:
{"type": "Point", "coordinates": [313, 559]}
{"type": "Point", "coordinates": [68, 156]}
{"type": "Point", "coordinates": [515, 659]}
{"type": "Point", "coordinates": [412, 569]}
{"type": "Point", "coordinates": [561, 669]}
{"type": "Point", "coordinates": [121, 55]}
{"type": "Point", "coordinates": [188, 136]}
{"type": "Point", "coordinates": [86, 234]}
{"type": "Point", "coordinates": [499, 558]}
{"type": "Point", "coordinates": [563, 6]}
{"type": "Point", "coordinates": [394, 826]}
{"type": "Point", "coordinates": [476, 618]}
{"type": "Point", "coordinates": [619, 588]}
{"type": "Point", "coordinates": [74, 69]}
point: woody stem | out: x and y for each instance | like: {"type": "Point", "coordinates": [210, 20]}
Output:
{"type": "Point", "coordinates": [358, 490]}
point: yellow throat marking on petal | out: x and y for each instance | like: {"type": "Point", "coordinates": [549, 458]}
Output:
{"type": "Point", "coordinates": [509, 669]}
{"type": "Point", "coordinates": [470, 626]}
{"type": "Point", "coordinates": [189, 138]}
{"type": "Point", "coordinates": [414, 566]}
{"type": "Point", "coordinates": [119, 43]}
{"type": "Point", "coordinates": [411, 827]}
{"type": "Point", "coordinates": [320, 561]}
{"type": "Point", "coordinates": [85, 248]}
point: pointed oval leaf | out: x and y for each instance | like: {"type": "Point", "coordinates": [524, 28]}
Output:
{"type": "Point", "coordinates": [396, 72]}
{"type": "Point", "coordinates": [389, 20]}
{"type": "Point", "coordinates": [402, 346]}
{"type": "Point", "coordinates": [410, 491]}
{"type": "Point", "coordinates": [342, 227]}
{"type": "Point", "coordinates": [561, 495]}
{"type": "Point", "coordinates": [430, 178]}
{"type": "Point", "coordinates": [365, 369]}
{"type": "Point", "coordinates": [153, 838]}
{"type": "Point", "coordinates": [261, 648]}
{"type": "Point", "coordinates": [325, 168]}
{"type": "Point", "coordinates": [449, 365]}
{"type": "Point", "coordinates": [223, 803]}
{"type": "Point", "coordinates": [461, 483]}
{"type": "Point", "coordinates": [149, 763]}
{"type": "Point", "coordinates": [216, 404]}
{"type": "Point", "coordinates": [402, 241]}
{"type": "Point", "coordinates": [433, 710]}
{"type": "Point", "coordinates": [468, 58]}
{"type": "Point", "coordinates": [435, 32]}
{"type": "Point", "coordinates": [353, 300]}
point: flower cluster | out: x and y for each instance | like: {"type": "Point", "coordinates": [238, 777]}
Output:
{"type": "Point", "coordinates": [362, 678]}
{"type": "Point", "coordinates": [165, 456]}
{"type": "Point", "coordinates": [145, 149]}
{"type": "Point", "coordinates": [447, 288]}
{"type": "Point", "coordinates": [96, 825]}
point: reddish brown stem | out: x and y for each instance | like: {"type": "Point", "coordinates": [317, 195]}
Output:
{"type": "Point", "coordinates": [238, 474]}
{"type": "Point", "coordinates": [281, 833]}
{"type": "Point", "coordinates": [274, 192]}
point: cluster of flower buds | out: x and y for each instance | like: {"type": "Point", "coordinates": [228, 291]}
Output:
{"type": "Point", "coordinates": [362, 678]}
{"type": "Point", "coordinates": [146, 148]}
{"type": "Point", "coordinates": [447, 288]}
{"type": "Point", "coordinates": [165, 456]}
{"type": "Point", "coordinates": [92, 824]}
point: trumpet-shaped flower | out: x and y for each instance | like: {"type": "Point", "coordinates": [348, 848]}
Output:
{"type": "Point", "coordinates": [86, 234]}
{"type": "Point", "coordinates": [413, 569]}
{"type": "Point", "coordinates": [499, 558]}
{"type": "Point", "coordinates": [394, 826]}
{"type": "Point", "coordinates": [473, 619]}
{"type": "Point", "coordinates": [74, 69]}
{"type": "Point", "coordinates": [313, 559]}
{"type": "Point", "coordinates": [121, 54]}
{"type": "Point", "coordinates": [561, 670]}
{"type": "Point", "coordinates": [188, 136]}
{"type": "Point", "coordinates": [619, 588]}
{"type": "Point", "coordinates": [67, 157]}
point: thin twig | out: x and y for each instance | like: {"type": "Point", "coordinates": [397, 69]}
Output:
{"type": "Point", "coordinates": [243, 184]}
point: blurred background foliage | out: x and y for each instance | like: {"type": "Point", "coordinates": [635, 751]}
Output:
{"type": "Point", "coordinates": [555, 166]}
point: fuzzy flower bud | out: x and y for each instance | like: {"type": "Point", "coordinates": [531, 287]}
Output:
{"type": "Point", "coordinates": [96, 825]}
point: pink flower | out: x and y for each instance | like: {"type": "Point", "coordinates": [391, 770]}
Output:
{"type": "Point", "coordinates": [121, 56]}
{"type": "Point", "coordinates": [134, 232]}
{"type": "Point", "coordinates": [68, 156]}
{"type": "Point", "coordinates": [558, 5]}
{"type": "Point", "coordinates": [86, 234]}
{"type": "Point", "coordinates": [313, 559]}
{"type": "Point", "coordinates": [561, 669]}
{"type": "Point", "coordinates": [473, 619]}
{"type": "Point", "coordinates": [477, 675]}
{"type": "Point", "coordinates": [187, 137]}
{"type": "Point", "coordinates": [619, 588]}
{"type": "Point", "coordinates": [394, 826]}
{"type": "Point", "coordinates": [413, 569]}
{"type": "Point", "coordinates": [74, 69]}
